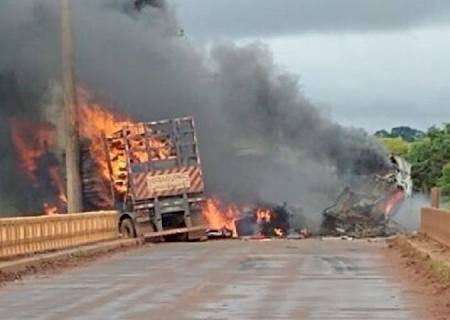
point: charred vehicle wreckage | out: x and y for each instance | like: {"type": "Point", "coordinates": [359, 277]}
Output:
{"type": "Point", "coordinates": [368, 211]}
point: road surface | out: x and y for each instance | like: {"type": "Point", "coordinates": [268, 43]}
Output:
{"type": "Point", "coordinates": [279, 279]}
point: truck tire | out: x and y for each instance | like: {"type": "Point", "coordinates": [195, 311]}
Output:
{"type": "Point", "coordinates": [127, 229]}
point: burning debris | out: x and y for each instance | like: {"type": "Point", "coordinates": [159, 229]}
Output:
{"type": "Point", "coordinates": [367, 213]}
{"type": "Point", "coordinates": [273, 221]}
{"type": "Point", "coordinates": [233, 221]}
{"type": "Point", "coordinates": [220, 218]}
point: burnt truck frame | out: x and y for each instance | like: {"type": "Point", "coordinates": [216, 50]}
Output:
{"type": "Point", "coordinates": [164, 195]}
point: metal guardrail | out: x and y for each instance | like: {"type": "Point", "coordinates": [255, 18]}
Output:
{"type": "Point", "coordinates": [27, 235]}
{"type": "Point", "coordinates": [436, 224]}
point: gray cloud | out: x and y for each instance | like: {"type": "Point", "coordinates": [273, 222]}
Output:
{"type": "Point", "coordinates": [249, 18]}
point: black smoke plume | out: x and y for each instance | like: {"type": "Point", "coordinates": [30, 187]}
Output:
{"type": "Point", "coordinates": [260, 138]}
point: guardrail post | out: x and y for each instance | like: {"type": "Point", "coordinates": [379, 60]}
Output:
{"type": "Point", "coordinates": [435, 198]}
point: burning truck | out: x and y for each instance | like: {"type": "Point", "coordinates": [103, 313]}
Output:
{"type": "Point", "coordinates": [368, 211]}
{"type": "Point", "coordinates": [155, 178]}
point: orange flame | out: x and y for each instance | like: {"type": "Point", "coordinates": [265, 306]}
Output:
{"type": "Point", "coordinates": [162, 148]}
{"type": "Point", "coordinates": [58, 183]}
{"type": "Point", "coordinates": [218, 219]}
{"type": "Point", "coordinates": [96, 119]}
{"type": "Point", "coordinates": [278, 232]}
{"type": "Point", "coordinates": [263, 215]}
{"type": "Point", "coordinates": [50, 209]}
{"type": "Point", "coordinates": [395, 198]}
{"type": "Point", "coordinates": [31, 141]}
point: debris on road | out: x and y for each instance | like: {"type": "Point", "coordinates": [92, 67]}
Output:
{"type": "Point", "coordinates": [258, 221]}
{"type": "Point", "coordinates": [367, 212]}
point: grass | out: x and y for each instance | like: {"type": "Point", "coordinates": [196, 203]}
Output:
{"type": "Point", "coordinates": [446, 203]}
{"type": "Point", "coordinates": [440, 270]}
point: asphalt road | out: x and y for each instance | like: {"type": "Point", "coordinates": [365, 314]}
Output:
{"type": "Point", "coordinates": [308, 280]}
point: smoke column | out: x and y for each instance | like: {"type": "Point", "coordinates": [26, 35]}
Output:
{"type": "Point", "coordinates": [260, 138]}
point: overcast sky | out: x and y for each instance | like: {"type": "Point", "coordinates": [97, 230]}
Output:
{"type": "Point", "coordinates": [369, 63]}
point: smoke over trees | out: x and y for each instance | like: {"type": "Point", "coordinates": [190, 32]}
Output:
{"type": "Point", "coordinates": [259, 136]}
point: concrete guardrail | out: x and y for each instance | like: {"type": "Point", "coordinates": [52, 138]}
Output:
{"type": "Point", "coordinates": [27, 235]}
{"type": "Point", "coordinates": [436, 224]}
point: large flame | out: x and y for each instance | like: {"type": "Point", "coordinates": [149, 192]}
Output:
{"type": "Point", "coordinates": [95, 120]}
{"type": "Point", "coordinates": [32, 141]}
{"type": "Point", "coordinates": [219, 218]}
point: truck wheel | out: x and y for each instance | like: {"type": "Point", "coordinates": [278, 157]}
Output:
{"type": "Point", "coordinates": [127, 229]}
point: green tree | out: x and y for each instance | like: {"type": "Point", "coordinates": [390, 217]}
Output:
{"type": "Point", "coordinates": [444, 181]}
{"type": "Point", "coordinates": [429, 156]}
{"type": "Point", "coordinates": [382, 134]}
{"type": "Point", "coordinates": [406, 133]}
{"type": "Point", "coordinates": [396, 146]}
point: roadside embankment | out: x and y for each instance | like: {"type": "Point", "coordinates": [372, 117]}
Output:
{"type": "Point", "coordinates": [425, 264]}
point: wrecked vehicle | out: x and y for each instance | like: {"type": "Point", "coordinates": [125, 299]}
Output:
{"type": "Point", "coordinates": [156, 179]}
{"type": "Point", "coordinates": [368, 211]}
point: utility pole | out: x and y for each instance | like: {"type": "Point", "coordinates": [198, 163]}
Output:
{"type": "Point", "coordinates": [72, 139]}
